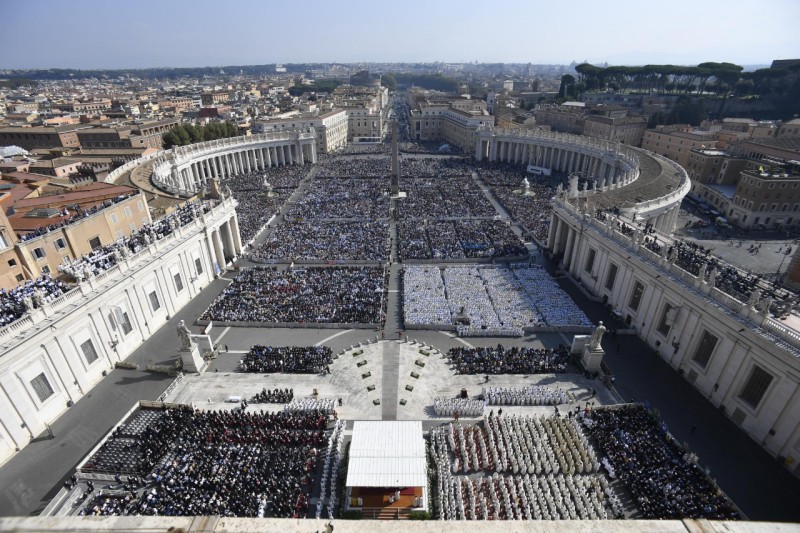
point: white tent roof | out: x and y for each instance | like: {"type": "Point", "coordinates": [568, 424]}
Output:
{"type": "Point", "coordinates": [387, 454]}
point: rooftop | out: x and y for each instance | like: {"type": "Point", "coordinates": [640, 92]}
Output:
{"type": "Point", "coordinates": [387, 454]}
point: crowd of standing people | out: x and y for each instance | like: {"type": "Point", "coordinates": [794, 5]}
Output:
{"type": "Point", "coordinates": [105, 257]}
{"type": "Point", "coordinates": [16, 302]}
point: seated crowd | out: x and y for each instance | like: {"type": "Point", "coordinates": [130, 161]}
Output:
{"type": "Point", "coordinates": [340, 167]}
{"type": "Point", "coordinates": [519, 468]}
{"type": "Point", "coordinates": [224, 463]}
{"type": "Point", "coordinates": [255, 206]}
{"type": "Point", "coordinates": [286, 359]}
{"type": "Point", "coordinates": [16, 302]}
{"type": "Point", "coordinates": [105, 257]}
{"type": "Point", "coordinates": [326, 241]}
{"type": "Point", "coordinates": [514, 360]}
{"type": "Point", "coordinates": [458, 239]}
{"type": "Point", "coordinates": [77, 214]}
{"type": "Point", "coordinates": [334, 198]}
{"type": "Point", "coordinates": [345, 295]}
{"type": "Point", "coordinates": [664, 480]}
{"type": "Point", "coordinates": [443, 197]}
{"type": "Point", "coordinates": [491, 298]}
{"type": "Point", "coordinates": [273, 396]}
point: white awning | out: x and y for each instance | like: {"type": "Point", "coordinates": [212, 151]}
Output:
{"type": "Point", "coordinates": [387, 454]}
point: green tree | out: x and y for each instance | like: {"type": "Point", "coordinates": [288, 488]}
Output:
{"type": "Point", "coordinates": [567, 87]}
{"type": "Point", "coordinates": [389, 81]}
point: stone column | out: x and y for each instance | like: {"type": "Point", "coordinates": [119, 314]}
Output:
{"type": "Point", "coordinates": [575, 255]}
{"type": "Point", "coordinates": [218, 249]}
{"type": "Point", "coordinates": [227, 241]}
{"type": "Point", "coordinates": [551, 235]}
{"type": "Point", "coordinates": [237, 237]}
{"type": "Point", "coordinates": [568, 249]}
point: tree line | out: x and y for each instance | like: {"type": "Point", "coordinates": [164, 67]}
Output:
{"type": "Point", "coordinates": [184, 134]}
{"type": "Point", "coordinates": [705, 78]}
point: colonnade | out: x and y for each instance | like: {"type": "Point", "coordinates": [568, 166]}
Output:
{"type": "Point", "coordinates": [564, 239]}
{"type": "Point", "coordinates": [224, 242]}
{"type": "Point", "coordinates": [201, 165]}
{"type": "Point", "coordinates": [607, 167]}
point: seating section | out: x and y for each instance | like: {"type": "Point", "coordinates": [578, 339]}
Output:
{"type": "Point", "coordinates": [499, 300]}
{"type": "Point", "coordinates": [225, 463]}
{"type": "Point", "coordinates": [665, 480]}
{"type": "Point", "coordinates": [519, 468]}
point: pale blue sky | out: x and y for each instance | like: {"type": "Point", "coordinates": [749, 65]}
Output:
{"type": "Point", "coordinates": [185, 33]}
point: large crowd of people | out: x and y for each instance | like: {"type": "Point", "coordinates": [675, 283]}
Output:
{"type": "Point", "coordinates": [326, 241]}
{"type": "Point", "coordinates": [286, 359]}
{"type": "Point", "coordinates": [514, 360]}
{"type": "Point", "coordinates": [487, 298]}
{"type": "Point", "coordinates": [519, 468]}
{"type": "Point", "coordinates": [256, 205]}
{"type": "Point", "coordinates": [340, 167]}
{"type": "Point", "coordinates": [73, 216]}
{"type": "Point", "coordinates": [327, 198]}
{"type": "Point", "coordinates": [438, 197]}
{"type": "Point", "coordinates": [458, 239]}
{"type": "Point", "coordinates": [532, 211]}
{"type": "Point", "coordinates": [105, 257]}
{"type": "Point", "coordinates": [663, 478]}
{"type": "Point", "coordinates": [16, 302]}
{"type": "Point", "coordinates": [226, 463]}
{"type": "Point", "coordinates": [343, 295]}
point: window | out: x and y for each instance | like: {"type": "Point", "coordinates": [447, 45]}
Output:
{"type": "Point", "coordinates": [3, 242]}
{"type": "Point", "coordinates": [94, 242]}
{"type": "Point", "coordinates": [590, 260]}
{"type": "Point", "coordinates": [704, 350]}
{"type": "Point", "coordinates": [114, 218]}
{"type": "Point", "coordinates": [612, 276]}
{"type": "Point", "coordinates": [154, 303]}
{"type": "Point", "coordinates": [140, 205]}
{"type": "Point", "coordinates": [89, 352]}
{"type": "Point", "coordinates": [636, 296]}
{"type": "Point", "coordinates": [45, 269]}
{"type": "Point", "coordinates": [198, 266]}
{"type": "Point", "coordinates": [178, 282]}
{"type": "Point", "coordinates": [42, 387]}
{"type": "Point", "coordinates": [19, 277]}
{"type": "Point", "coordinates": [38, 253]}
{"type": "Point", "coordinates": [60, 243]}
{"type": "Point", "coordinates": [12, 262]}
{"type": "Point", "coordinates": [127, 212]}
{"type": "Point", "coordinates": [667, 317]}
{"type": "Point", "coordinates": [757, 384]}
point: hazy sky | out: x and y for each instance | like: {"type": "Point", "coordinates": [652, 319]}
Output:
{"type": "Point", "coordinates": [183, 33]}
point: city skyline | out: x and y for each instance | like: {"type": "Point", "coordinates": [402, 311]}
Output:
{"type": "Point", "coordinates": [180, 34]}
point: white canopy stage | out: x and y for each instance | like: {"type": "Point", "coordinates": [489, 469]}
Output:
{"type": "Point", "coordinates": [387, 466]}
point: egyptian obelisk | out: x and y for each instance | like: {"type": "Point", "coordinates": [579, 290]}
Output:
{"type": "Point", "coordinates": [396, 164]}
